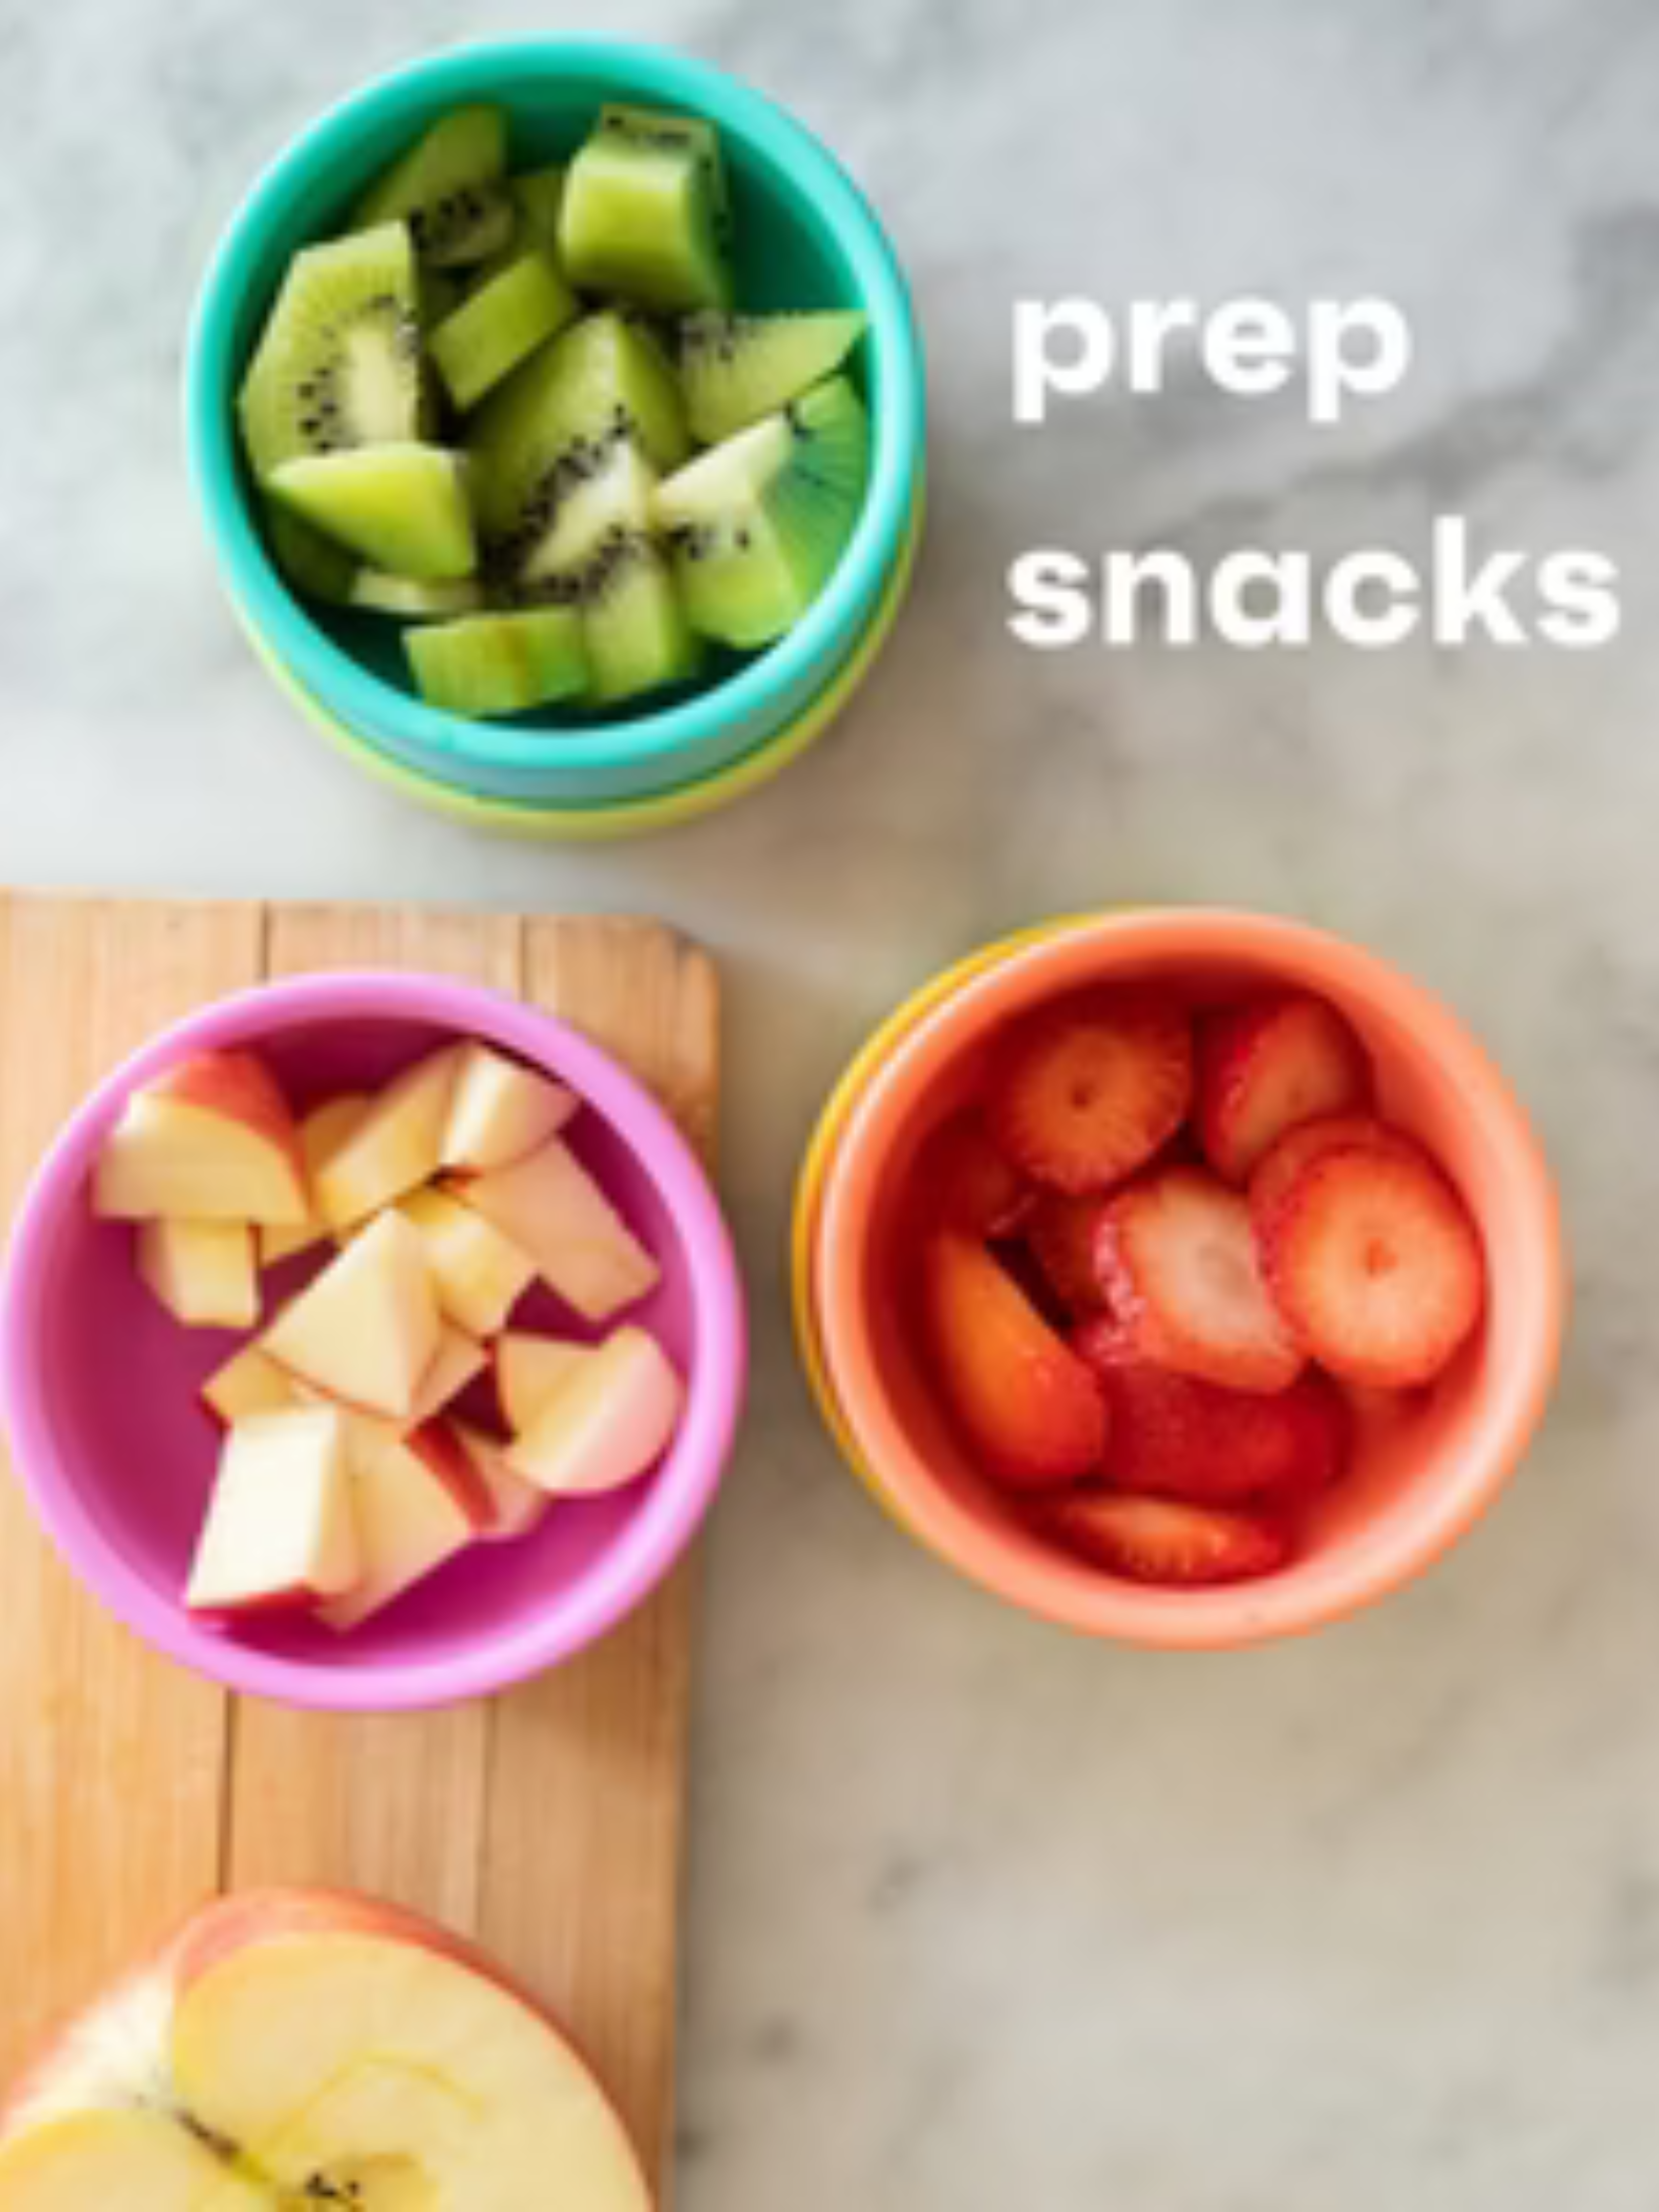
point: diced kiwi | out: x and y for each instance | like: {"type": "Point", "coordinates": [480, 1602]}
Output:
{"type": "Point", "coordinates": [606, 486]}
{"type": "Point", "coordinates": [383, 594]}
{"type": "Point", "coordinates": [602, 376]}
{"type": "Point", "coordinates": [449, 187]}
{"type": "Point", "coordinates": [499, 325]}
{"type": "Point", "coordinates": [402, 508]}
{"type": "Point", "coordinates": [338, 363]}
{"type": "Point", "coordinates": [314, 564]}
{"type": "Point", "coordinates": [500, 664]}
{"type": "Point", "coordinates": [633, 624]}
{"type": "Point", "coordinates": [756, 525]}
{"type": "Point", "coordinates": [645, 212]}
{"type": "Point", "coordinates": [735, 368]}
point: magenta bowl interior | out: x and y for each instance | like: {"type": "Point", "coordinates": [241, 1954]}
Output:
{"type": "Point", "coordinates": [99, 1386]}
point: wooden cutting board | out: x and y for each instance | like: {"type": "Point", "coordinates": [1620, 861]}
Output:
{"type": "Point", "coordinates": [548, 1823]}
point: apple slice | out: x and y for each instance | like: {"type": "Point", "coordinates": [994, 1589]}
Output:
{"type": "Point", "coordinates": [529, 1370]}
{"type": "Point", "coordinates": [212, 1141]}
{"type": "Point", "coordinates": [204, 1273]}
{"type": "Point", "coordinates": [419, 1503]}
{"type": "Point", "coordinates": [280, 1531]}
{"type": "Point", "coordinates": [501, 1111]}
{"type": "Point", "coordinates": [478, 1275]}
{"type": "Point", "coordinates": [395, 1147]}
{"type": "Point", "coordinates": [290, 2048]}
{"type": "Point", "coordinates": [458, 1360]}
{"type": "Point", "coordinates": [551, 1207]}
{"type": "Point", "coordinates": [367, 1330]}
{"type": "Point", "coordinates": [323, 1131]}
{"type": "Point", "coordinates": [608, 1423]}
{"type": "Point", "coordinates": [246, 1384]}
{"type": "Point", "coordinates": [518, 1506]}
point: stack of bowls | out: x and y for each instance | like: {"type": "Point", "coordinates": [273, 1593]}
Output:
{"type": "Point", "coordinates": [805, 238]}
{"type": "Point", "coordinates": [1412, 1492]}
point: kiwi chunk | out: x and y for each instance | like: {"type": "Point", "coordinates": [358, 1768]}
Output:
{"type": "Point", "coordinates": [383, 594]}
{"type": "Point", "coordinates": [645, 212]}
{"type": "Point", "coordinates": [602, 377]}
{"type": "Point", "coordinates": [402, 508]}
{"type": "Point", "coordinates": [633, 623]}
{"type": "Point", "coordinates": [448, 189]}
{"type": "Point", "coordinates": [338, 365]}
{"type": "Point", "coordinates": [735, 368]}
{"type": "Point", "coordinates": [756, 525]}
{"type": "Point", "coordinates": [314, 564]}
{"type": "Point", "coordinates": [606, 487]}
{"type": "Point", "coordinates": [499, 325]}
{"type": "Point", "coordinates": [500, 664]}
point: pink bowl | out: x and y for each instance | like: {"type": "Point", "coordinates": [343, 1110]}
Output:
{"type": "Point", "coordinates": [99, 1386]}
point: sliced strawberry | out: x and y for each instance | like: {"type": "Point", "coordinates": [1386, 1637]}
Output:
{"type": "Point", "coordinates": [1158, 1540]}
{"type": "Point", "coordinates": [1375, 1265]}
{"type": "Point", "coordinates": [1025, 1402]}
{"type": "Point", "coordinates": [1177, 1257]}
{"type": "Point", "coordinates": [1173, 1436]}
{"type": "Point", "coordinates": [964, 1181]}
{"type": "Point", "coordinates": [1085, 1091]}
{"type": "Point", "coordinates": [1265, 1066]}
{"type": "Point", "coordinates": [1278, 1168]}
{"type": "Point", "coordinates": [1062, 1231]}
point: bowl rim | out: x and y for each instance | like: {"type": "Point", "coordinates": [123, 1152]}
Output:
{"type": "Point", "coordinates": [832, 624]}
{"type": "Point", "coordinates": [845, 1164]}
{"type": "Point", "coordinates": [645, 1549]}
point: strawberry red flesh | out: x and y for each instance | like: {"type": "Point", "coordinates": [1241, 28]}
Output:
{"type": "Point", "coordinates": [1173, 1436]}
{"type": "Point", "coordinates": [1061, 1232]}
{"type": "Point", "coordinates": [964, 1181]}
{"type": "Point", "coordinates": [1267, 1066]}
{"type": "Point", "coordinates": [1085, 1091]}
{"type": "Point", "coordinates": [1160, 1539]}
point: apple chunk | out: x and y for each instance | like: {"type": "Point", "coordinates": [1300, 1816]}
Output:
{"type": "Point", "coordinates": [458, 1360]}
{"type": "Point", "coordinates": [281, 1531]}
{"type": "Point", "coordinates": [419, 1503]}
{"type": "Point", "coordinates": [530, 1370]}
{"type": "Point", "coordinates": [246, 1384]}
{"type": "Point", "coordinates": [394, 1148]}
{"type": "Point", "coordinates": [517, 1505]}
{"type": "Point", "coordinates": [367, 1329]}
{"type": "Point", "coordinates": [204, 1273]}
{"type": "Point", "coordinates": [608, 1424]}
{"type": "Point", "coordinates": [323, 1131]}
{"type": "Point", "coordinates": [212, 1141]}
{"type": "Point", "coordinates": [501, 1111]}
{"type": "Point", "coordinates": [291, 2048]}
{"type": "Point", "coordinates": [478, 1275]}
{"type": "Point", "coordinates": [552, 1208]}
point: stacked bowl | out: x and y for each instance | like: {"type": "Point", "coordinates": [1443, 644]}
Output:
{"type": "Point", "coordinates": [805, 239]}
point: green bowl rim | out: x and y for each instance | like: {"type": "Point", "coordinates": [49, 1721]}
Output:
{"type": "Point", "coordinates": [469, 71]}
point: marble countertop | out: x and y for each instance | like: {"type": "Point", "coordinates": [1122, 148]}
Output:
{"type": "Point", "coordinates": [980, 1915]}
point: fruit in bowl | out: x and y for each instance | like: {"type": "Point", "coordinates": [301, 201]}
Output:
{"type": "Point", "coordinates": [1168, 1263]}
{"type": "Point", "coordinates": [519, 411]}
{"type": "Point", "coordinates": [368, 1435]}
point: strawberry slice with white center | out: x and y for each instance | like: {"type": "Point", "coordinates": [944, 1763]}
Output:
{"type": "Point", "coordinates": [1160, 1539]}
{"type": "Point", "coordinates": [1177, 1258]}
{"type": "Point", "coordinates": [1375, 1265]}
{"type": "Point", "coordinates": [1085, 1091]}
{"type": "Point", "coordinates": [1264, 1068]}
{"type": "Point", "coordinates": [1026, 1404]}
{"type": "Point", "coordinates": [1300, 1147]}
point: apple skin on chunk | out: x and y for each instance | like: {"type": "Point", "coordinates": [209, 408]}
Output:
{"type": "Point", "coordinates": [395, 1147]}
{"type": "Point", "coordinates": [549, 1205]}
{"type": "Point", "coordinates": [518, 1506]}
{"type": "Point", "coordinates": [212, 1141]}
{"type": "Point", "coordinates": [530, 1370]}
{"type": "Point", "coordinates": [419, 1502]}
{"type": "Point", "coordinates": [282, 1531]}
{"type": "Point", "coordinates": [608, 1424]}
{"type": "Point", "coordinates": [204, 1274]}
{"type": "Point", "coordinates": [501, 1111]}
{"type": "Point", "coordinates": [289, 2044]}
{"type": "Point", "coordinates": [367, 1330]}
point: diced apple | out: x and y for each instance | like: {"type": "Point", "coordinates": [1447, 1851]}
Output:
{"type": "Point", "coordinates": [518, 1506]}
{"type": "Point", "coordinates": [322, 1131]}
{"type": "Point", "coordinates": [529, 1370]}
{"type": "Point", "coordinates": [458, 1360]}
{"type": "Point", "coordinates": [368, 1329]}
{"type": "Point", "coordinates": [479, 1274]}
{"type": "Point", "coordinates": [281, 1531]}
{"type": "Point", "coordinates": [212, 1140]}
{"type": "Point", "coordinates": [419, 1503]}
{"type": "Point", "coordinates": [248, 1383]}
{"type": "Point", "coordinates": [552, 1208]}
{"type": "Point", "coordinates": [395, 1147]}
{"type": "Point", "coordinates": [608, 1424]}
{"type": "Point", "coordinates": [203, 1272]}
{"type": "Point", "coordinates": [502, 1110]}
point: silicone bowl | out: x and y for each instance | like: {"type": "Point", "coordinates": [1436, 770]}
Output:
{"type": "Point", "coordinates": [1411, 1494]}
{"type": "Point", "coordinates": [806, 238]}
{"type": "Point", "coordinates": [100, 1387]}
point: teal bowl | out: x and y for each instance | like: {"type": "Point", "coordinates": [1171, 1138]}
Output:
{"type": "Point", "coordinates": [805, 238]}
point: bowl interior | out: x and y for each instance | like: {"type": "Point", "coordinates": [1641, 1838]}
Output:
{"type": "Point", "coordinates": [118, 1385]}
{"type": "Point", "coordinates": [795, 247]}
{"type": "Point", "coordinates": [1414, 1483]}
